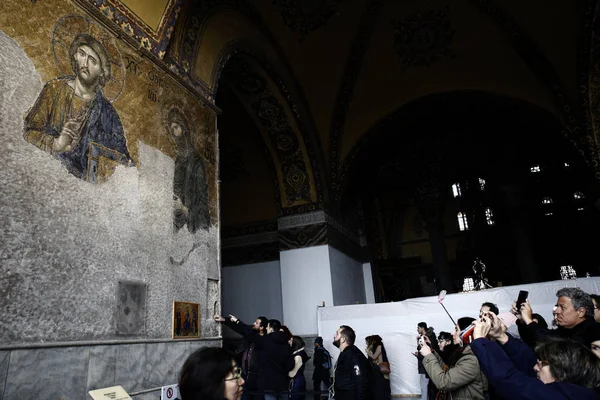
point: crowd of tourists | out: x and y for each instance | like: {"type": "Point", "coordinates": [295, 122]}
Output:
{"type": "Point", "coordinates": [500, 355]}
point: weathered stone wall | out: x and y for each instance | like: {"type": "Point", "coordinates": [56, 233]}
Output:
{"type": "Point", "coordinates": [66, 242]}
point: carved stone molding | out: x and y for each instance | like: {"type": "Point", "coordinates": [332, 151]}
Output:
{"type": "Point", "coordinates": [294, 221]}
{"type": "Point", "coordinates": [314, 218]}
{"type": "Point", "coordinates": [249, 240]}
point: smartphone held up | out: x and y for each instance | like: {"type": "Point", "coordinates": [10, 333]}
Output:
{"type": "Point", "coordinates": [522, 298]}
{"type": "Point", "coordinates": [466, 335]}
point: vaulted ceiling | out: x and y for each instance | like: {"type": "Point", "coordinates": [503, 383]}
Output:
{"type": "Point", "coordinates": [335, 69]}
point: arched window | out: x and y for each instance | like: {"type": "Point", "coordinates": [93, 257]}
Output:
{"type": "Point", "coordinates": [568, 272]}
{"type": "Point", "coordinates": [468, 285]}
{"type": "Point", "coordinates": [456, 190]}
{"type": "Point", "coordinates": [463, 225]}
{"type": "Point", "coordinates": [481, 184]}
{"type": "Point", "coordinates": [489, 216]}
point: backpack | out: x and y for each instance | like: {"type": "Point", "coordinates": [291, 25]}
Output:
{"type": "Point", "coordinates": [327, 364]}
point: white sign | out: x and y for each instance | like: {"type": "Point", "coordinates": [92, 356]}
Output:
{"type": "Point", "coordinates": [110, 393]}
{"type": "Point", "coordinates": [170, 393]}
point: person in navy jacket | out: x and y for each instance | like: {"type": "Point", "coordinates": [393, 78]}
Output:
{"type": "Point", "coordinates": [559, 369]}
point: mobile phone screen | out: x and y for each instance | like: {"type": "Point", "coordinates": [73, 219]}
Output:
{"type": "Point", "coordinates": [523, 294]}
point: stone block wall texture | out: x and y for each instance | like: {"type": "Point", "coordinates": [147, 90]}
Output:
{"type": "Point", "coordinates": [71, 372]}
{"type": "Point", "coordinates": [66, 243]}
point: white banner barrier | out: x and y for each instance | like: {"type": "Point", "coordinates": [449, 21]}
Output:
{"type": "Point", "coordinates": [397, 322]}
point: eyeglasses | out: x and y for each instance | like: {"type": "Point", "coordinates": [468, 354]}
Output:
{"type": "Point", "coordinates": [237, 374]}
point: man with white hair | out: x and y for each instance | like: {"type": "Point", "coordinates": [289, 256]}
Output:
{"type": "Point", "coordinates": [574, 315]}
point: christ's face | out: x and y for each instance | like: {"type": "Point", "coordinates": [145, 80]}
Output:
{"type": "Point", "coordinates": [89, 67]}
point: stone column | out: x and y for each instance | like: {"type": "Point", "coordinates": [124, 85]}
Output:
{"type": "Point", "coordinates": [289, 267]}
{"type": "Point", "coordinates": [320, 261]}
{"type": "Point", "coordinates": [431, 201]}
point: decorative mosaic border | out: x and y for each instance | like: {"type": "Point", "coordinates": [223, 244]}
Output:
{"type": "Point", "coordinates": [252, 229]}
{"type": "Point", "coordinates": [239, 47]}
{"type": "Point", "coordinates": [303, 236]}
{"type": "Point", "coordinates": [252, 239]}
{"type": "Point", "coordinates": [250, 254]}
{"type": "Point", "coordinates": [155, 42]}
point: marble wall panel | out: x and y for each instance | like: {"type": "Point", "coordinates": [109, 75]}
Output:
{"type": "Point", "coordinates": [165, 361]}
{"type": "Point", "coordinates": [131, 367]}
{"type": "Point", "coordinates": [102, 367]}
{"type": "Point", "coordinates": [4, 360]}
{"type": "Point", "coordinates": [57, 373]}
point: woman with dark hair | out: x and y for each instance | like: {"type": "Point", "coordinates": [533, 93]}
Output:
{"type": "Point", "coordinates": [564, 369]}
{"type": "Point", "coordinates": [298, 382]}
{"type": "Point", "coordinates": [460, 375]}
{"type": "Point", "coordinates": [211, 374]}
{"type": "Point", "coordinates": [447, 348]}
{"type": "Point", "coordinates": [446, 344]}
{"type": "Point", "coordinates": [378, 357]}
{"type": "Point", "coordinates": [288, 334]}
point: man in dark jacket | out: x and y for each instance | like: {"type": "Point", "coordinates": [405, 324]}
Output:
{"type": "Point", "coordinates": [321, 359]}
{"type": "Point", "coordinates": [275, 358]}
{"type": "Point", "coordinates": [574, 314]}
{"type": "Point", "coordinates": [352, 372]}
{"type": "Point", "coordinates": [249, 361]}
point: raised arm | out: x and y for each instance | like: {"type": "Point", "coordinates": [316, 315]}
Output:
{"type": "Point", "coordinates": [237, 325]}
{"type": "Point", "coordinates": [374, 355]}
{"type": "Point", "coordinates": [507, 380]}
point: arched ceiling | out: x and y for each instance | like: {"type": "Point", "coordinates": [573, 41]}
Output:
{"type": "Point", "coordinates": [245, 166]}
{"type": "Point", "coordinates": [275, 121]}
{"type": "Point", "coordinates": [339, 66]}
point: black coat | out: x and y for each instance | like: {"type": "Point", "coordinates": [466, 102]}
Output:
{"type": "Point", "coordinates": [275, 357]}
{"type": "Point", "coordinates": [584, 333]}
{"type": "Point", "coordinates": [352, 375]}
{"type": "Point", "coordinates": [319, 358]}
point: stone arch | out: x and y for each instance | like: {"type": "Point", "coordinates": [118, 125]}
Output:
{"type": "Point", "coordinates": [438, 103]}
{"type": "Point", "coordinates": [204, 62]}
{"type": "Point", "coordinates": [279, 128]}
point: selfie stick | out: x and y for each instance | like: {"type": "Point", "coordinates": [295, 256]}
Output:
{"type": "Point", "coordinates": [441, 297]}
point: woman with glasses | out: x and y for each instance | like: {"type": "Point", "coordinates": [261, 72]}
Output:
{"type": "Point", "coordinates": [460, 375]}
{"type": "Point", "coordinates": [563, 369]}
{"type": "Point", "coordinates": [211, 374]}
